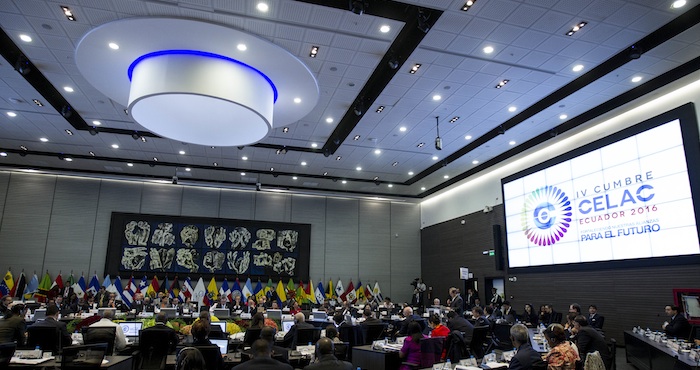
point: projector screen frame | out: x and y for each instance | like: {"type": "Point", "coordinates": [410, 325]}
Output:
{"type": "Point", "coordinates": [686, 114]}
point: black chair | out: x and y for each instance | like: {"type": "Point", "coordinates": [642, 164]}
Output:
{"type": "Point", "coordinates": [476, 347]}
{"type": "Point", "coordinates": [7, 350]}
{"type": "Point", "coordinates": [557, 318]}
{"type": "Point", "coordinates": [154, 349]}
{"type": "Point", "coordinates": [457, 346]}
{"type": "Point", "coordinates": [306, 335]}
{"type": "Point", "coordinates": [251, 335]}
{"type": "Point", "coordinates": [45, 337]}
{"type": "Point", "coordinates": [430, 353]}
{"type": "Point", "coordinates": [351, 334]}
{"type": "Point", "coordinates": [86, 357]}
{"type": "Point", "coordinates": [613, 352]}
{"type": "Point", "coordinates": [341, 351]}
{"type": "Point", "coordinates": [101, 334]}
{"type": "Point", "coordinates": [373, 332]}
{"type": "Point", "coordinates": [501, 337]}
{"type": "Point", "coordinates": [212, 356]}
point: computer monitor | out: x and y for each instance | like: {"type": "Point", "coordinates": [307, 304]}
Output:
{"type": "Point", "coordinates": [222, 312]}
{"type": "Point", "coordinates": [287, 325]}
{"type": "Point", "coordinates": [39, 314]}
{"type": "Point", "coordinates": [319, 316]}
{"type": "Point", "coordinates": [222, 344]}
{"type": "Point", "coordinates": [131, 328]}
{"type": "Point", "coordinates": [220, 324]}
{"type": "Point", "coordinates": [169, 312]}
{"type": "Point", "coordinates": [433, 311]}
{"type": "Point", "coordinates": [101, 311]}
{"type": "Point", "coordinates": [274, 314]}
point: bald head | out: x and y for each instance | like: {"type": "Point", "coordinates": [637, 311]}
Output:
{"type": "Point", "coordinates": [407, 311]}
{"type": "Point", "coordinates": [324, 346]}
{"type": "Point", "coordinates": [299, 317]}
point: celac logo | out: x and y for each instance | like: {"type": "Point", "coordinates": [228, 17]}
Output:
{"type": "Point", "coordinates": [546, 215]}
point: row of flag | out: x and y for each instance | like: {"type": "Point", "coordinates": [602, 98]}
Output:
{"type": "Point", "coordinates": [198, 292]}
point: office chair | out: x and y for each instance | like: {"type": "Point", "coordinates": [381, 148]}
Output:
{"type": "Point", "coordinates": [96, 335]}
{"type": "Point", "coordinates": [501, 338]}
{"type": "Point", "coordinates": [306, 335]}
{"type": "Point", "coordinates": [86, 357]}
{"type": "Point", "coordinates": [476, 347]}
{"type": "Point", "coordinates": [7, 350]}
{"type": "Point", "coordinates": [373, 332]}
{"type": "Point", "coordinates": [154, 349]}
{"type": "Point", "coordinates": [350, 334]}
{"type": "Point", "coordinates": [430, 353]}
{"type": "Point", "coordinates": [251, 335]}
{"type": "Point", "coordinates": [341, 351]}
{"type": "Point", "coordinates": [613, 352]}
{"type": "Point", "coordinates": [457, 346]}
{"type": "Point", "coordinates": [45, 337]}
{"type": "Point", "coordinates": [212, 356]}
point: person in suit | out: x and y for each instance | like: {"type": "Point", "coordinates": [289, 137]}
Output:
{"type": "Point", "coordinates": [479, 318]}
{"type": "Point", "coordinates": [262, 359]}
{"type": "Point", "coordinates": [526, 357]}
{"type": "Point", "coordinates": [177, 305]}
{"type": "Point", "coordinates": [409, 317]}
{"type": "Point", "coordinates": [419, 289]}
{"type": "Point", "coordinates": [251, 307]}
{"type": "Point", "coordinates": [237, 305]}
{"type": "Point", "coordinates": [529, 317]}
{"type": "Point", "coordinates": [52, 321]}
{"type": "Point", "coordinates": [508, 313]}
{"type": "Point", "coordinates": [164, 332]}
{"type": "Point", "coordinates": [138, 303]}
{"type": "Point", "coordinates": [456, 301]}
{"type": "Point", "coordinates": [325, 358]}
{"type": "Point", "coordinates": [278, 353]}
{"type": "Point", "coordinates": [551, 316]}
{"type": "Point", "coordinates": [299, 323]}
{"type": "Point", "coordinates": [589, 340]}
{"type": "Point", "coordinates": [369, 318]}
{"type": "Point", "coordinates": [102, 297]}
{"type": "Point", "coordinates": [595, 320]}
{"type": "Point", "coordinates": [221, 304]}
{"type": "Point", "coordinates": [459, 323]}
{"type": "Point", "coordinates": [678, 327]}
{"type": "Point", "coordinates": [496, 299]}
{"type": "Point", "coordinates": [472, 295]}
{"type": "Point", "coordinates": [13, 328]}
{"type": "Point", "coordinates": [5, 304]}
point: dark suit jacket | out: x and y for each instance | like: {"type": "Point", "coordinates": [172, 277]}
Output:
{"type": "Point", "coordinates": [288, 338]}
{"type": "Point", "coordinates": [678, 327]}
{"type": "Point", "coordinates": [13, 329]}
{"type": "Point", "coordinates": [329, 362]}
{"type": "Point", "coordinates": [590, 340]}
{"type": "Point", "coordinates": [461, 324]}
{"type": "Point", "coordinates": [510, 316]}
{"type": "Point", "coordinates": [457, 304]}
{"type": "Point", "coordinates": [166, 333]}
{"type": "Point", "coordinates": [371, 321]}
{"type": "Point", "coordinates": [50, 322]}
{"type": "Point", "coordinates": [263, 364]}
{"type": "Point", "coordinates": [596, 321]}
{"type": "Point", "coordinates": [404, 324]}
{"type": "Point", "coordinates": [525, 358]}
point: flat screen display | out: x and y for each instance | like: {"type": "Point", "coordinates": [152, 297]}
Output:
{"type": "Point", "coordinates": [131, 328]}
{"type": "Point", "coordinates": [623, 198]}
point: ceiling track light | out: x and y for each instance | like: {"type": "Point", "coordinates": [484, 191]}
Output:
{"type": "Point", "coordinates": [468, 5]}
{"type": "Point", "coordinates": [394, 164]}
{"type": "Point", "coordinates": [576, 28]}
{"type": "Point", "coordinates": [313, 52]}
{"type": "Point", "coordinates": [380, 109]}
{"type": "Point", "coordinates": [69, 132]}
{"type": "Point", "coordinates": [143, 139]}
{"type": "Point", "coordinates": [357, 7]}
{"type": "Point", "coordinates": [393, 61]}
{"type": "Point", "coordinates": [415, 68]}
{"type": "Point", "coordinates": [502, 83]}
{"type": "Point", "coordinates": [501, 130]}
{"type": "Point", "coordinates": [93, 130]}
{"type": "Point", "coordinates": [438, 140]}
{"type": "Point", "coordinates": [282, 150]}
{"type": "Point", "coordinates": [454, 119]}
{"type": "Point", "coordinates": [420, 145]}
{"type": "Point", "coordinates": [68, 13]}
{"type": "Point", "coordinates": [38, 102]}
{"type": "Point", "coordinates": [338, 158]}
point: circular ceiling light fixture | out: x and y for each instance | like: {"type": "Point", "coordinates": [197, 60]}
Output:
{"type": "Point", "coordinates": [183, 81]}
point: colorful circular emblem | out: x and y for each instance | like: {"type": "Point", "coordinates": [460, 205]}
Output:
{"type": "Point", "coordinates": [546, 215]}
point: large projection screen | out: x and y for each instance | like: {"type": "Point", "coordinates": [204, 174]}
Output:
{"type": "Point", "coordinates": [624, 199]}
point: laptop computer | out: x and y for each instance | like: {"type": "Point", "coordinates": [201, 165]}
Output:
{"type": "Point", "coordinates": [220, 324]}
{"type": "Point", "coordinates": [274, 314]}
{"type": "Point", "coordinates": [101, 311]}
{"type": "Point", "coordinates": [222, 312]}
{"type": "Point", "coordinates": [287, 325]}
{"type": "Point", "coordinates": [222, 344]}
{"type": "Point", "coordinates": [319, 316]}
{"type": "Point", "coordinates": [131, 329]}
{"type": "Point", "coordinates": [39, 314]}
{"type": "Point", "coordinates": [169, 312]}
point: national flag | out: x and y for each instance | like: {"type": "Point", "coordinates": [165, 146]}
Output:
{"type": "Point", "coordinates": [330, 292]}
{"type": "Point", "coordinates": [120, 292]}
{"type": "Point", "coordinates": [247, 289]}
{"type": "Point", "coordinates": [300, 295]}
{"type": "Point", "coordinates": [68, 285]}
{"type": "Point", "coordinates": [56, 287]}
{"type": "Point", "coordinates": [7, 284]}
{"type": "Point", "coordinates": [259, 291]}
{"type": "Point", "coordinates": [281, 294]}
{"type": "Point", "coordinates": [45, 288]}
{"type": "Point", "coordinates": [339, 290]}
{"type": "Point", "coordinates": [164, 286]}
{"type": "Point", "coordinates": [186, 291]}
{"type": "Point", "coordinates": [79, 287]}
{"type": "Point", "coordinates": [225, 291]}
{"type": "Point", "coordinates": [174, 290]}
{"type": "Point", "coordinates": [212, 293]}
{"type": "Point", "coordinates": [236, 289]}
{"type": "Point", "coordinates": [377, 293]}
{"type": "Point", "coordinates": [106, 282]}
{"type": "Point", "coordinates": [129, 291]}
{"type": "Point", "coordinates": [360, 292]}
{"type": "Point", "coordinates": [320, 293]}
{"type": "Point", "coordinates": [368, 293]}
{"type": "Point", "coordinates": [32, 287]}
{"type": "Point", "coordinates": [94, 286]}
{"type": "Point", "coordinates": [20, 284]}
{"type": "Point", "coordinates": [269, 289]}
{"type": "Point", "coordinates": [199, 292]}
{"type": "Point", "coordinates": [143, 285]}
{"type": "Point", "coordinates": [291, 289]}
{"type": "Point", "coordinates": [349, 294]}
{"type": "Point", "coordinates": [309, 292]}
{"type": "Point", "coordinates": [153, 288]}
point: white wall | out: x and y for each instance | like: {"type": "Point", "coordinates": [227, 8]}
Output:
{"type": "Point", "coordinates": [484, 188]}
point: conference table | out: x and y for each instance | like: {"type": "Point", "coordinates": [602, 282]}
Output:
{"type": "Point", "coordinates": [373, 359]}
{"type": "Point", "coordinates": [537, 341]}
{"type": "Point", "coordinates": [110, 363]}
{"type": "Point", "coordinates": [647, 354]}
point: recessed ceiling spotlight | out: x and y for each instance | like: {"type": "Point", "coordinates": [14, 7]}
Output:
{"type": "Point", "coordinates": [329, 120]}
{"type": "Point", "coordinates": [414, 69]}
{"type": "Point", "coordinates": [242, 173]}
{"type": "Point", "coordinates": [244, 158]}
{"type": "Point", "coordinates": [422, 188]}
{"type": "Point", "coordinates": [488, 49]}
{"type": "Point", "coordinates": [468, 137]}
{"type": "Point", "coordinates": [344, 182]}
{"type": "Point", "coordinates": [357, 137]}
{"type": "Point", "coordinates": [475, 162]}
{"type": "Point", "coordinates": [130, 164]}
{"type": "Point", "coordinates": [11, 114]}
{"type": "Point", "coordinates": [454, 119]}
{"type": "Point", "coordinates": [512, 142]}
{"type": "Point", "coordinates": [297, 100]}
{"type": "Point", "coordinates": [25, 38]}
{"type": "Point", "coordinates": [3, 154]}
{"type": "Point", "coordinates": [437, 97]}
{"type": "Point", "coordinates": [68, 89]}
{"type": "Point", "coordinates": [502, 83]}
{"type": "Point", "coordinates": [325, 173]}
{"type": "Point", "coordinates": [395, 164]}
{"type": "Point", "coordinates": [512, 109]}
{"type": "Point", "coordinates": [636, 78]}
{"type": "Point", "coordinates": [188, 169]}
{"type": "Point", "coordinates": [313, 52]}
{"type": "Point", "coordinates": [242, 47]}
{"type": "Point", "coordinates": [563, 116]}
{"type": "Point", "coordinates": [69, 132]}
{"type": "Point", "coordinates": [182, 152]}
{"type": "Point", "coordinates": [338, 158]}
{"type": "Point", "coordinates": [113, 46]}
{"type": "Point", "coordinates": [155, 159]}
{"type": "Point", "coordinates": [358, 168]}
{"type": "Point", "coordinates": [384, 28]}
{"type": "Point", "coordinates": [115, 146]}
{"type": "Point", "coordinates": [272, 169]}
{"type": "Point", "coordinates": [23, 147]}
{"type": "Point", "coordinates": [143, 139]}
{"type": "Point", "coordinates": [467, 5]}
{"type": "Point", "coordinates": [43, 139]}
{"type": "Point", "coordinates": [576, 28]}
{"type": "Point", "coordinates": [377, 151]}
{"type": "Point", "coordinates": [410, 173]}
{"type": "Point", "coordinates": [91, 153]}
{"type": "Point", "coordinates": [314, 145]}
{"type": "Point", "coordinates": [380, 109]}
{"type": "Point", "coordinates": [68, 13]}
{"type": "Point", "coordinates": [294, 177]}
{"type": "Point", "coordinates": [390, 185]}
{"type": "Point", "coordinates": [420, 145]}
{"type": "Point", "coordinates": [678, 4]}
{"type": "Point", "coordinates": [38, 102]}
{"type": "Point", "coordinates": [215, 164]}
{"type": "Point", "coordinates": [263, 7]}
{"type": "Point", "coordinates": [96, 123]}
{"type": "Point", "coordinates": [285, 130]}
{"type": "Point", "coordinates": [402, 129]}
{"type": "Point", "coordinates": [577, 68]}
{"type": "Point", "coordinates": [303, 163]}
{"type": "Point", "coordinates": [435, 158]}
{"type": "Point", "coordinates": [446, 176]}
{"type": "Point", "coordinates": [68, 159]}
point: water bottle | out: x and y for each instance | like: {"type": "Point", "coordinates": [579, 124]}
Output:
{"type": "Point", "coordinates": [448, 365]}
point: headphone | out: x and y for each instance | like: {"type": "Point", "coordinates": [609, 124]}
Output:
{"type": "Point", "coordinates": [189, 357]}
